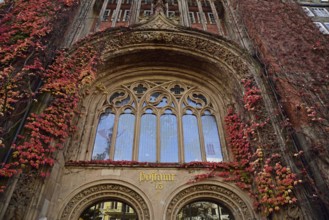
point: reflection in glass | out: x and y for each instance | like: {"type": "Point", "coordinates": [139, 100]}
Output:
{"type": "Point", "coordinates": [194, 104]}
{"type": "Point", "coordinates": [211, 138]}
{"type": "Point", "coordinates": [116, 95]}
{"type": "Point", "coordinates": [161, 107]}
{"type": "Point", "coordinates": [147, 141]}
{"type": "Point", "coordinates": [169, 137]}
{"type": "Point", "coordinates": [192, 149]}
{"type": "Point", "coordinates": [122, 102]}
{"type": "Point", "coordinates": [162, 103]}
{"type": "Point", "coordinates": [125, 136]}
{"type": "Point", "coordinates": [109, 210]}
{"type": "Point", "coordinates": [204, 210]}
{"type": "Point", "coordinates": [154, 96]}
{"type": "Point", "coordinates": [103, 136]}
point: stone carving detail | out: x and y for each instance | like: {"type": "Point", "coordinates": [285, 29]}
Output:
{"type": "Point", "coordinates": [225, 196]}
{"type": "Point", "coordinates": [290, 212]}
{"type": "Point", "coordinates": [294, 213]}
{"type": "Point", "coordinates": [159, 21]}
{"type": "Point", "coordinates": [191, 42]}
{"type": "Point", "coordinates": [23, 195]}
{"type": "Point", "coordinates": [86, 197]}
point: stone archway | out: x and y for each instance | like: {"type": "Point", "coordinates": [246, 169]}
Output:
{"type": "Point", "coordinates": [148, 51]}
{"type": "Point", "coordinates": [90, 195]}
{"type": "Point", "coordinates": [238, 206]}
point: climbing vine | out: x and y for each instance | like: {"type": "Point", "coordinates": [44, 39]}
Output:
{"type": "Point", "coordinates": [257, 167]}
{"type": "Point", "coordinates": [28, 31]}
{"type": "Point", "coordinates": [294, 54]}
{"type": "Point", "coordinates": [297, 65]}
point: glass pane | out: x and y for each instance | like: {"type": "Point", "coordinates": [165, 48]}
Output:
{"type": "Point", "coordinates": [103, 137]}
{"type": "Point", "coordinates": [109, 210]}
{"type": "Point", "coordinates": [192, 150]}
{"type": "Point", "coordinates": [211, 138]}
{"type": "Point", "coordinates": [169, 137]}
{"type": "Point", "coordinates": [162, 103]}
{"type": "Point", "coordinates": [116, 95]}
{"type": "Point", "coordinates": [205, 210]}
{"type": "Point", "coordinates": [154, 96]}
{"type": "Point", "coordinates": [147, 141]}
{"type": "Point", "coordinates": [122, 102]}
{"type": "Point", "coordinates": [125, 136]}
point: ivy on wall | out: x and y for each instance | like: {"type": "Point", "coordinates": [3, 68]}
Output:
{"type": "Point", "coordinates": [255, 168]}
{"type": "Point", "coordinates": [24, 30]}
{"type": "Point", "coordinates": [26, 47]}
{"type": "Point", "coordinates": [295, 56]}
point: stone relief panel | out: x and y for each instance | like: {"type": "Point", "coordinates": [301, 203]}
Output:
{"type": "Point", "coordinates": [86, 197]}
{"type": "Point", "coordinates": [229, 198]}
{"type": "Point", "coordinates": [188, 41]}
{"type": "Point", "coordinates": [23, 196]}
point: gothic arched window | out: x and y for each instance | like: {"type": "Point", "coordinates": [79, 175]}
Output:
{"type": "Point", "coordinates": [165, 122]}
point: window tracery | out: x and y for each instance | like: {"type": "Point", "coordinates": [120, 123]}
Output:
{"type": "Point", "coordinates": [167, 122]}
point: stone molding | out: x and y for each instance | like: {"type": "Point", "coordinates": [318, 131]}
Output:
{"type": "Point", "coordinates": [161, 32]}
{"type": "Point", "coordinates": [90, 195]}
{"type": "Point", "coordinates": [189, 42]}
{"type": "Point", "coordinates": [159, 21]}
{"type": "Point", "coordinates": [230, 199]}
{"type": "Point", "coordinates": [229, 63]}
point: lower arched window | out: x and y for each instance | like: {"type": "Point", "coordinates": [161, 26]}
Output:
{"type": "Point", "coordinates": [166, 122]}
{"type": "Point", "coordinates": [204, 210]}
{"type": "Point", "coordinates": [109, 210]}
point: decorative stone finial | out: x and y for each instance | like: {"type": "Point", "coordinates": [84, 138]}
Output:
{"type": "Point", "coordinates": [159, 6]}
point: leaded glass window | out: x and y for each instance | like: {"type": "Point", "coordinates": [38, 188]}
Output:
{"type": "Point", "coordinates": [167, 122]}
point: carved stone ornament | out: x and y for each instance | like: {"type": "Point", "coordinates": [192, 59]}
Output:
{"type": "Point", "coordinates": [158, 21]}
{"type": "Point", "coordinates": [224, 52]}
{"type": "Point", "coordinates": [160, 31]}
{"type": "Point", "coordinates": [289, 212]}
{"type": "Point", "coordinates": [225, 196]}
{"type": "Point", "coordinates": [24, 193]}
{"type": "Point", "coordinates": [88, 196]}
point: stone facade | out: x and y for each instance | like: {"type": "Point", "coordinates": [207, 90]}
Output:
{"type": "Point", "coordinates": [156, 48]}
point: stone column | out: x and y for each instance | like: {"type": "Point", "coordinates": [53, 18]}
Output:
{"type": "Point", "coordinates": [202, 15]}
{"type": "Point", "coordinates": [133, 12]}
{"type": "Point", "coordinates": [104, 6]}
{"type": "Point", "coordinates": [218, 21]}
{"type": "Point", "coordinates": [101, 14]}
{"type": "Point", "coordinates": [186, 14]}
{"type": "Point", "coordinates": [116, 13]}
{"type": "Point", "coordinates": [183, 8]}
{"type": "Point", "coordinates": [167, 10]}
{"type": "Point", "coordinates": [139, 3]}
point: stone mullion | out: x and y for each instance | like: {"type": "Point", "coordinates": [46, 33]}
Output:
{"type": "Point", "coordinates": [138, 115]}
{"type": "Point", "coordinates": [181, 157]}
{"type": "Point", "coordinates": [114, 136]}
{"type": "Point", "coordinates": [202, 15]}
{"type": "Point", "coordinates": [158, 135]}
{"type": "Point", "coordinates": [202, 146]}
{"type": "Point", "coordinates": [117, 10]}
{"type": "Point", "coordinates": [218, 21]}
